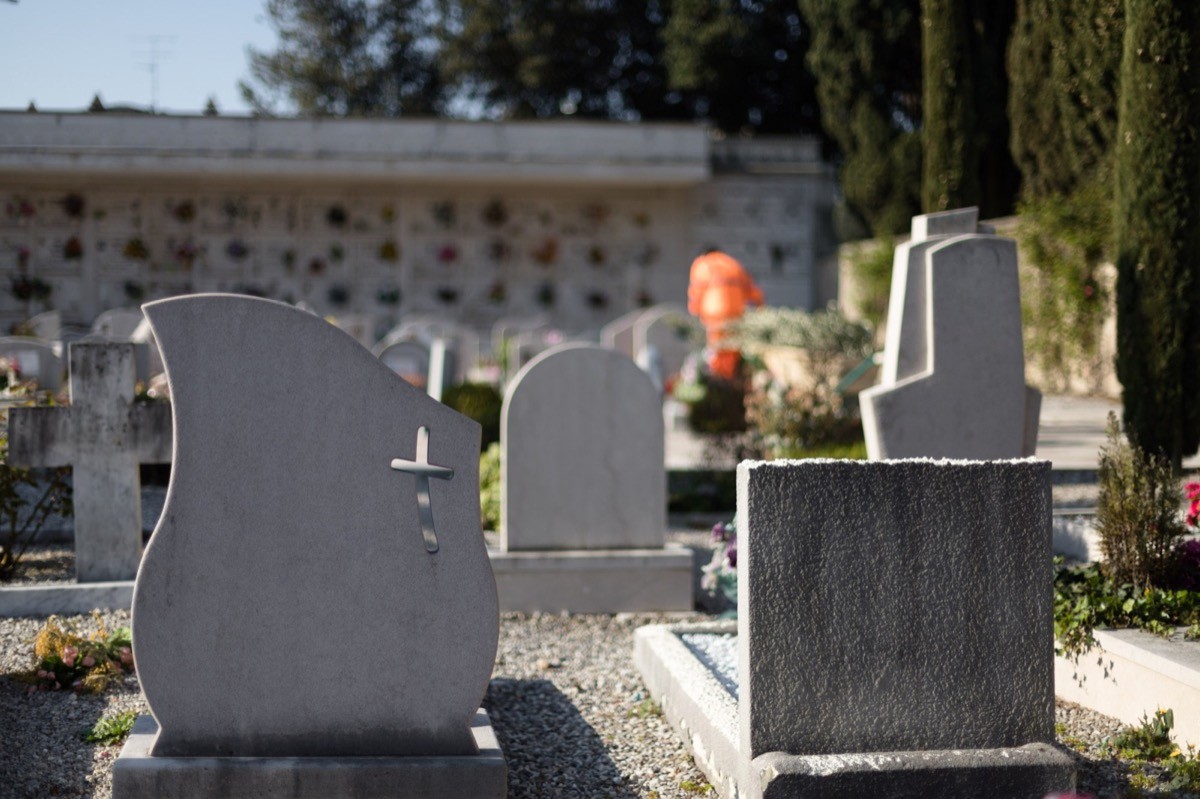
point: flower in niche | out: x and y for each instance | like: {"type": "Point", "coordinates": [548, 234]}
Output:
{"type": "Point", "coordinates": [444, 213]}
{"type": "Point", "coordinates": [447, 254]}
{"type": "Point", "coordinates": [597, 300]}
{"type": "Point", "coordinates": [336, 253]}
{"type": "Point", "coordinates": [186, 253]}
{"type": "Point", "coordinates": [546, 253]}
{"type": "Point", "coordinates": [388, 214]}
{"type": "Point", "coordinates": [596, 255]}
{"type": "Point", "coordinates": [20, 208]}
{"type": "Point", "coordinates": [546, 295]}
{"type": "Point", "coordinates": [596, 213]}
{"type": "Point", "coordinates": [237, 250]}
{"type": "Point", "coordinates": [316, 266]}
{"type": "Point", "coordinates": [497, 292]}
{"type": "Point", "coordinates": [447, 295]}
{"type": "Point", "coordinates": [389, 252]}
{"type": "Point", "coordinates": [184, 211]}
{"type": "Point", "coordinates": [23, 254]}
{"type": "Point", "coordinates": [135, 249]}
{"type": "Point", "coordinates": [336, 216]}
{"type": "Point", "coordinates": [73, 205]}
{"type": "Point", "coordinates": [495, 214]}
{"type": "Point", "coordinates": [73, 249]}
{"type": "Point", "coordinates": [389, 295]}
{"type": "Point", "coordinates": [498, 250]}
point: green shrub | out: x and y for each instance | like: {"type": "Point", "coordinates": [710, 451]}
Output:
{"type": "Point", "coordinates": [1065, 239]}
{"type": "Point", "coordinates": [1138, 513]}
{"type": "Point", "coordinates": [871, 267]}
{"type": "Point", "coordinates": [489, 487]}
{"type": "Point", "coordinates": [112, 729]}
{"type": "Point", "coordinates": [481, 402]}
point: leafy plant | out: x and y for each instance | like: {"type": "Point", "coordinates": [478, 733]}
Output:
{"type": "Point", "coordinates": [481, 402]}
{"type": "Point", "coordinates": [27, 500]}
{"type": "Point", "coordinates": [719, 577]}
{"type": "Point", "coordinates": [1086, 598]}
{"type": "Point", "coordinates": [1137, 513]}
{"type": "Point", "coordinates": [65, 658]}
{"type": "Point", "coordinates": [647, 708]}
{"type": "Point", "coordinates": [111, 729]}
{"type": "Point", "coordinates": [489, 487]}
{"type": "Point", "coordinates": [871, 267]}
{"type": "Point", "coordinates": [135, 249]}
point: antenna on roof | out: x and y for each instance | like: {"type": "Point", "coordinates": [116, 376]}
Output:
{"type": "Point", "coordinates": [153, 55]}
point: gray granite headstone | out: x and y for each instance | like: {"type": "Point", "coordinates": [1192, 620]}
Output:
{"type": "Point", "coordinates": [897, 606]}
{"type": "Point", "coordinates": [582, 454]}
{"type": "Point", "coordinates": [102, 435]}
{"type": "Point", "coordinates": [409, 359]}
{"type": "Point", "coordinates": [618, 334]}
{"type": "Point", "coordinates": [670, 330]}
{"type": "Point", "coordinates": [35, 360]}
{"type": "Point", "coordinates": [318, 586]}
{"type": "Point", "coordinates": [969, 400]}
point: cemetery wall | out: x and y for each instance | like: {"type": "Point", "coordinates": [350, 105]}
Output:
{"type": "Point", "coordinates": [389, 218]}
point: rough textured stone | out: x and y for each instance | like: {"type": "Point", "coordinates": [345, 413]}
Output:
{"type": "Point", "coordinates": [970, 399]}
{"type": "Point", "coordinates": [103, 435]}
{"type": "Point", "coordinates": [294, 548]}
{"type": "Point", "coordinates": [920, 591]}
{"type": "Point", "coordinates": [582, 467]}
{"type": "Point", "coordinates": [140, 775]}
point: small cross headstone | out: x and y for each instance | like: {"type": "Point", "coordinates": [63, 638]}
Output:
{"type": "Point", "coordinates": [103, 435]}
{"type": "Point", "coordinates": [292, 518]}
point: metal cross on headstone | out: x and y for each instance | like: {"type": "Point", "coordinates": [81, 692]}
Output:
{"type": "Point", "coordinates": [422, 469]}
{"type": "Point", "coordinates": [103, 436]}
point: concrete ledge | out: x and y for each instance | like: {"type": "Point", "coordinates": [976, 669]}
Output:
{"type": "Point", "coordinates": [692, 699]}
{"type": "Point", "coordinates": [138, 775]}
{"type": "Point", "coordinates": [594, 581]}
{"type": "Point", "coordinates": [1025, 772]}
{"type": "Point", "coordinates": [64, 598]}
{"type": "Point", "coordinates": [1131, 674]}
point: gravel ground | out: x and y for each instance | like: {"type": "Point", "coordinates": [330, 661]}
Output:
{"type": "Point", "coordinates": [567, 704]}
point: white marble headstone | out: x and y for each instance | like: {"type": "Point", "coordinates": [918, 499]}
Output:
{"type": "Point", "coordinates": [318, 584]}
{"type": "Point", "coordinates": [582, 454]}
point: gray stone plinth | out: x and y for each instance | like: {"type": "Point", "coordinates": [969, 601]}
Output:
{"type": "Point", "coordinates": [139, 775]}
{"type": "Point", "coordinates": [64, 598]}
{"type": "Point", "coordinates": [594, 581]}
{"type": "Point", "coordinates": [894, 606]}
{"type": "Point", "coordinates": [1026, 772]}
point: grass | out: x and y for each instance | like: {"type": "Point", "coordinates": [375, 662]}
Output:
{"type": "Point", "coordinates": [111, 729]}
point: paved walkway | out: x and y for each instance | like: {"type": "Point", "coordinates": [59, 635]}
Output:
{"type": "Point", "coordinates": [1070, 434]}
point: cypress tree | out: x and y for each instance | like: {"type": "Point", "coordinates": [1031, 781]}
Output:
{"type": "Point", "coordinates": [1157, 226]}
{"type": "Point", "coordinates": [950, 174]}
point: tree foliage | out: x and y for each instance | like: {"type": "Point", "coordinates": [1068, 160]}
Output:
{"type": "Point", "coordinates": [1157, 226]}
{"type": "Point", "coordinates": [1063, 61]}
{"type": "Point", "coordinates": [866, 57]}
{"type": "Point", "coordinates": [738, 64]}
{"type": "Point", "coordinates": [950, 175]}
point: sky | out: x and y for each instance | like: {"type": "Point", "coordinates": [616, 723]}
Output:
{"type": "Point", "coordinates": [60, 53]}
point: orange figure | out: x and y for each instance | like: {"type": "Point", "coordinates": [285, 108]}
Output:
{"type": "Point", "coordinates": [718, 293]}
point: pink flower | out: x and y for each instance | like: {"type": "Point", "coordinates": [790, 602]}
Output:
{"type": "Point", "coordinates": [1193, 491]}
{"type": "Point", "coordinates": [88, 662]}
{"type": "Point", "coordinates": [69, 662]}
{"type": "Point", "coordinates": [126, 656]}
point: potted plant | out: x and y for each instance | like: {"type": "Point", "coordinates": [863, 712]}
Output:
{"type": "Point", "coordinates": [135, 249]}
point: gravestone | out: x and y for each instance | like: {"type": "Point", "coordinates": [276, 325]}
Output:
{"type": "Point", "coordinates": [673, 332]}
{"type": "Point", "coordinates": [316, 498]}
{"type": "Point", "coordinates": [582, 440]}
{"type": "Point", "coordinates": [462, 343]}
{"type": "Point", "coordinates": [583, 489]}
{"type": "Point", "coordinates": [35, 359]}
{"type": "Point", "coordinates": [618, 334]}
{"type": "Point", "coordinates": [47, 325]}
{"type": "Point", "coordinates": [919, 591]}
{"type": "Point", "coordinates": [969, 398]}
{"type": "Point", "coordinates": [409, 359]}
{"type": "Point", "coordinates": [103, 435]}
{"type": "Point", "coordinates": [117, 324]}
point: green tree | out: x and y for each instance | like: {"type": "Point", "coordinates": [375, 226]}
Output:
{"type": "Point", "coordinates": [349, 58]}
{"type": "Point", "coordinates": [866, 58]}
{"type": "Point", "coordinates": [950, 174]}
{"type": "Point", "coordinates": [1157, 226]}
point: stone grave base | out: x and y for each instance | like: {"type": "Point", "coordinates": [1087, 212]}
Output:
{"type": "Point", "coordinates": [64, 598]}
{"type": "Point", "coordinates": [594, 581]}
{"type": "Point", "coordinates": [139, 775]}
{"type": "Point", "coordinates": [704, 712]}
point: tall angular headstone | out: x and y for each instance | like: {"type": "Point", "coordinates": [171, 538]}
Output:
{"type": "Point", "coordinates": [321, 547]}
{"type": "Point", "coordinates": [953, 381]}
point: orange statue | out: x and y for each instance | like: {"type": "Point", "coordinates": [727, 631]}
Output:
{"type": "Point", "coordinates": [718, 293]}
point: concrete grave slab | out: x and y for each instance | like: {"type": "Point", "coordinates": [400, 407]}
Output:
{"type": "Point", "coordinates": [315, 496]}
{"type": "Point", "coordinates": [103, 435]}
{"type": "Point", "coordinates": [919, 591]}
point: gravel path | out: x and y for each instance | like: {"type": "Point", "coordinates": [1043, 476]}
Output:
{"type": "Point", "coordinates": [567, 704]}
